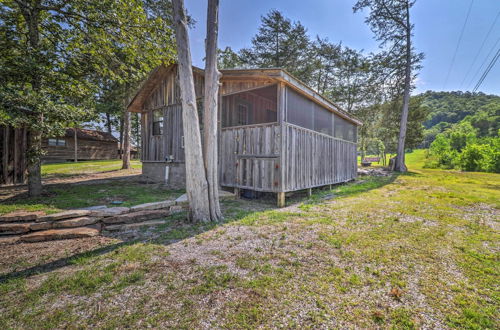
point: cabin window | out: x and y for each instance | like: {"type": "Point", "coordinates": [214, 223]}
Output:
{"type": "Point", "coordinates": [256, 106]}
{"type": "Point", "coordinates": [158, 122]}
{"type": "Point", "coordinates": [57, 142]}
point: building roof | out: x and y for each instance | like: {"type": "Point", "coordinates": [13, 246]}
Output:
{"type": "Point", "coordinates": [88, 134]}
{"type": "Point", "coordinates": [135, 105]}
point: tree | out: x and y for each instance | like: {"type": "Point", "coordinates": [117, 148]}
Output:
{"type": "Point", "coordinates": [212, 76]}
{"type": "Point", "coordinates": [54, 54]}
{"type": "Point", "coordinates": [228, 59]}
{"type": "Point", "coordinates": [280, 43]}
{"type": "Point", "coordinates": [196, 181]}
{"type": "Point", "coordinates": [389, 20]}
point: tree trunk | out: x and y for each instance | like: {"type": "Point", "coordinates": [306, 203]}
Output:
{"type": "Point", "coordinates": [31, 14]}
{"type": "Point", "coordinates": [196, 182]}
{"type": "Point", "coordinates": [76, 145]}
{"type": "Point", "coordinates": [212, 76]}
{"type": "Point", "coordinates": [121, 138]}
{"type": "Point", "coordinates": [399, 163]}
{"type": "Point", "coordinates": [108, 122]}
{"type": "Point", "coordinates": [126, 140]}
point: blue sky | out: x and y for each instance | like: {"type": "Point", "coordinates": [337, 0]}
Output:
{"type": "Point", "coordinates": [437, 29]}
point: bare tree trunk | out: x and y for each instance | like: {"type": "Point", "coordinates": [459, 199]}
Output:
{"type": "Point", "coordinates": [108, 122]}
{"type": "Point", "coordinates": [76, 145]}
{"type": "Point", "coordinates": [196, 181]}
{"type": "Point", "coordinates": [121, 138]}
{"type": "Point", "coordinates": [399, 164]}
{"type": "Point", "coordinates": [126, 140]}
{"type": "Point", "coordinates": [212, 76]}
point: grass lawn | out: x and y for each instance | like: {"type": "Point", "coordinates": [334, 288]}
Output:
{"type": "Point", "coordinates": [84, 167]}
{"type": "Point", "coordinates": [404, 252]}
{"type": "Point", "coordinates": [103, 191]}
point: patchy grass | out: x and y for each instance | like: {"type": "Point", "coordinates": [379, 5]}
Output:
{"type": "Point", "coordinates": [416, 250]}
{"type": "Point", "coordinates": [68, 169]}
{"type": "Point", "coordinates": [57, 197]}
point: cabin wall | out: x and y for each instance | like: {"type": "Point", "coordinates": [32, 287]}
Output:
{"type": "Point", "coordinates": [312, 159]}
{"type": "Point", "coordinates": [13, 149]}
{"type": "Point", "coordinates": [86, 150]}
{"type": "Point", "coordinates": [249, 157]}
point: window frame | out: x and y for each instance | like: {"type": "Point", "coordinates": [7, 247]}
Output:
{"type": "Point", "coordinates": [157, 122]}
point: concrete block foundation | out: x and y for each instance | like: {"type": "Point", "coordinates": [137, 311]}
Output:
{"type": "Point", "coordinates": [173, 175]}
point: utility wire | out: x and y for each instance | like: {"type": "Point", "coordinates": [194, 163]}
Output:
{"type": "Point", "coordinates": [458, 44]}
{"type": "Point", "coordinates": [480, 49]}
{"type": "Point", "coordinates": [488, 69]}
{"type": "Point", "coordinates": [484, 62]}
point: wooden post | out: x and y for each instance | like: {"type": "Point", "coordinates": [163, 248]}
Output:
{"type": "Point", "coordinates": [309, 192]}
{"type": "Point", "coordinates": [237, 193]}
{"type": "Point", "coordinates": [281, 199]}
{"type": "Point", "coordinates": [76, 145]}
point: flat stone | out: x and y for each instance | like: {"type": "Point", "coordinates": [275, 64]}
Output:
{"type": "Point", "coordinates": [56, 234]}
{"type": "Point", "coordinates": [9, 239]}
{"type": "Point", "coordinates": [14, 228]}
{"type": "Point", "coordinates": [182, 200]}
{"type": "Point", "coordinates": [136, 216]}
{"type": "Point", "coordinates": [21, 216]}
{"type": "Point", "coordinates": [94, 208]}
{"type": "Point", "coordinates": [41, 225]}
{"type": "Point", "coordinates": [110, 211]}
{"type": "Point", "coordinates": [177, 208]}
{"type": "Point", "coordinates": [76, 222]}
{"type": "Point", "coordinates": [152, 206]}
{"type": "Point", "coordinates": [63, 215]}
{"type": "Point", "coordinates": [135, 225]}
{"type": "Point", "coordinates": [226, 195]}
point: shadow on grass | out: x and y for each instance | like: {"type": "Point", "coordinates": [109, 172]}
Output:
{"type": "Point", "coordinates": [177, 228]}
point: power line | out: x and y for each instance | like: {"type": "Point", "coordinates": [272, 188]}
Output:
{"type": "Point", "coordinates": [480, 49]}
{"type": "Point", "coordinates": [488, 69]}
{"type": "Point", "coordinates": [482, 64]}
{"type": "Point", "coordinates": [458, 44]}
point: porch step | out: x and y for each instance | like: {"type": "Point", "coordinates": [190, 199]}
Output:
{"type": "Point", "coordinates": [57, 234]}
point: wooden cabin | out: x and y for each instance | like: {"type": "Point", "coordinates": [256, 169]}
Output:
{"type": "Point", "coordinates": [275, 133]}
{"type": "Point", "coordinates": [90, 145]}
{"type": "Point", "coordinates": [13, 151]}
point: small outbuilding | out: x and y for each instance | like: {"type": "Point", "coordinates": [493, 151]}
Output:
{"type": "Point", "coordinates": [275, 133]}
{"type": "Point", "coordinates": [90, 145]}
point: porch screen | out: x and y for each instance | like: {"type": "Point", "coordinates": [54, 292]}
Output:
{"type": "Point", "coordinates": [305, 113]}
{"type": "Point", "coordinates": [256, 106]}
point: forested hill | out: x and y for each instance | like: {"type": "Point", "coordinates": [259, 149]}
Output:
{"type": "Point", "coordinates": [452, 107]}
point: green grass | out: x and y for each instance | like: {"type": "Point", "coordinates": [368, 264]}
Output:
{"type": "Point", "coordinates": [404, 252]}
{"type": "Point", "coordinates": [67, 195]}
{"type": "Point", "coordinates": [67, 169]}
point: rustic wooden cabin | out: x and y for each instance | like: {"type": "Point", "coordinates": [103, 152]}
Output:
{"type": "Point", "coordinates": [90, 145]}
{"type": "Point", "coordinates": [275, 133]}
{"type": "Point", "coordinates": [13, 150]}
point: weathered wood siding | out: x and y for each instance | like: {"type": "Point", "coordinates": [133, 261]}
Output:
{"type": "Point", "coordinates": [313, 159]}
{"type": "Point", "coordinates": [87, 150]}
{"type": "Point", "coordinates": [158, 147]}
{"type": "Point", "coordinates": [166, 97]}
{"type": "Point", "coordinates": [13, 148]}
{"type": "Point", "coordinates": [249, 157]}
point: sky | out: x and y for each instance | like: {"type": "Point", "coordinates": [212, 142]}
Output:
{"type": "Point", "coordinates": [438, 26]}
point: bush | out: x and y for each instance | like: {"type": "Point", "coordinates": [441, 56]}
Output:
{"type": "Point", "coordinates": [476, 158]}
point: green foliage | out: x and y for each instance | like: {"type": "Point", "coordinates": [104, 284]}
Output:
{"type": "Point", "coordinates": [460, 147]}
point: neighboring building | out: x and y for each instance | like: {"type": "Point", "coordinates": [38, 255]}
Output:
{"type": "Point", "coordinates": [90, 145]}
{"type": "Point", "coordinates": [275, 133]}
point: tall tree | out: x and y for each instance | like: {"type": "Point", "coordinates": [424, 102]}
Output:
{"type": "Point", "coordinates": [212, 76]}
{"type": "Point", "coordinates": [228, 59]}
{"type": "Point", "coordinates": [390, 21]}
{"type": "Point", "coordinates": [196, 181]}
{"type": "Point", "coordinates": [51, 53]}
{"type": "Point", "coordinates": [280, 43]}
